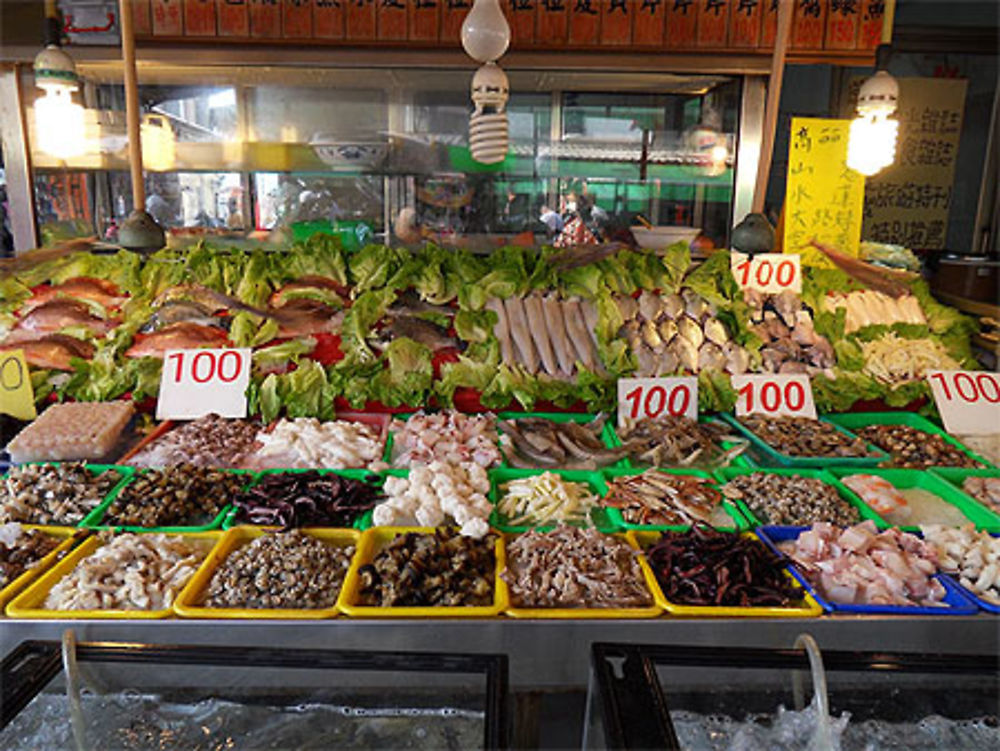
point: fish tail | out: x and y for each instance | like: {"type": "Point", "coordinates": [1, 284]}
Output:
{"type": "Point", "coordinates": [862, 271]}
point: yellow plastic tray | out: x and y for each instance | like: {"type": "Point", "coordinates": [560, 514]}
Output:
{"type": "Point", "coordinates": [69, 536]}
{"type": "Point", "coordinates": [372, 542]}
{"type": "Point", "coordinates": [29, 604]}
{"type": "Point", "coordinates": [651, 611]}
{"type": "Point", "coordinates": [186, 605]}
{"type": "Point", "coordinates": [808, 609]}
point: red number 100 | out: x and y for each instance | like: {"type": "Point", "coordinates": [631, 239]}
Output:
{"type": "Point", "coordinates": [657, 400]}
{"type": "Point", "coordinates": [207, 365]}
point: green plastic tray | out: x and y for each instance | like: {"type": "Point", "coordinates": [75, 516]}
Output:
{"type": "Point", "coordinates": [615, 515]}
{"type": "Point", "coordinates": [866, 512]}
{"type": "Point", "coordinates": [855, 420]}
{"type": "Point", "coordinates": [216, 523]}
{"type": "Point", "coordinates": [982, 517]}
{"type": "Point", "coordinates": [779, 459]}
{"type": "Point", "coordinates": [361, 523]}
{"type": "Point", "coordinates": [740, 461]}
{"type": "Point", "coordinates": [957, 476]}
{"type": "Point", "coordinates": [599, 515]}
{"type": "Point", "coordinates": [97, 469]}
{"type": "Point", "coordinates": [608, 436]}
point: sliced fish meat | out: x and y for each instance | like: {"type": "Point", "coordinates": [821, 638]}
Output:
{"type": "Point", "coordinates": [518, 321]}
{"type": "Point", "coordinates": [556, 323]}
{"type": "Point", "coordinates": [577, 330]}
{"type": "Point", "coordinates": [502, 330]}
{"type": "Point", "coordinates": [540, 333]}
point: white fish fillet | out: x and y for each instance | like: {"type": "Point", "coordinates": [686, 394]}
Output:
{"type": "Point", "coordinates": [591, 318]}
{"type": "Point", "coordinates": [519, 331]}
{"type": "Point", "coordinates": [502, 330]}
{"type": "Point", "coordinates": [577, 330]}
{"type": "Point", "coordinates": [557, 334]}
{"type": "Point", "coordinates": [540, 333]}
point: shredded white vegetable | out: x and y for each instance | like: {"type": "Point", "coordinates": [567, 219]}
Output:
{"type": "Point", "coordinates": [545, 498]}
{"type": "Point", "coordinates": [891, 359]}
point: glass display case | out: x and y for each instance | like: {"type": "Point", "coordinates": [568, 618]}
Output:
{"type": "Point", "coordinates": [382, 153]}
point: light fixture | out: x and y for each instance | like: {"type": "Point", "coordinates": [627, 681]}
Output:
{"type": "Point", "coordinates": [59, 126]}
{"type": "Point", "coordinates": [159, 147]}
{"type": "Point", "coordinates": [871, 145]}
{"type": "Point", "coordinates": [485, 37]}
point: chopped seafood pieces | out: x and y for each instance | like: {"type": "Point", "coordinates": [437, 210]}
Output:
{"type": "Point", "coordinates": [305, 442]}
{"type": "Point", "coordinates": [449, 436]}
{"type": "Point", "coordinates": [431, 495]}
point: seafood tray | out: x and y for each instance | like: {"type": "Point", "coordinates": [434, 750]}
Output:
{"type": "Point", "coordinates": [904, 479]}
{"type": "Point", "coordinates": [778, 459]}
{"type": "Point", "coordinates": [126, 475]}
{"type": "Point", "coordinates": [599, 516]}
{"type": "Point", "coordinates": [608, 437]}
{"type": "Point", "coordinates": [371, 543]}
{"type": "Point", "coordinates": [956, 601]}
{"type": "Point", "coordinates": [31, 602]}
{"type": "Point", "coordinates": [740, 522]}
{"type": "Point", "coordinates": [809, 608]}
{"type": "Point", "coordinates": [391, 449]}
{"type": "Point", "coordinates": [653, 610]}
{"type": "Point", "coordinates": [361, 523]}
{"type": "Point", "coordinates": [94, 519]}
{"type": "Point", "coordinates": [70, 536]}
{"type": "Point", "coordinates": [986, 605]}
{"type": "Point", "coordinates": [855, 420]}
{"type": "Point", "coordinates": [725, 475]}
{"type": "Point", "coordinates": [740, 460]}
{"type": "Point", "coordinates": [186, 605]}
{"type": "Point", "coordinates": [957, 477]}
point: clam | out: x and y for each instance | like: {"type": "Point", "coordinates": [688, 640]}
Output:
{"type": "Point", "coordinates": [673, 305]}
{"type": "Point", "coordinates": [650, 305]}
{"type": "Point", "coordinates": [668, 329]}
{"type": "Point", "coordinates": [651, 336]}
{"type": "Point", "coordinates": [711, 357]}
{"type": "Point", "coordinates": [694, 304]}
{"type": "Point", "coordinates": [715, 331]}
{"type": "Point", "coordinates": [686, 352]}
{"type": "Point", "coordinates": [689, 330]}
{"type": "Point", "coordinates": [667, 363]}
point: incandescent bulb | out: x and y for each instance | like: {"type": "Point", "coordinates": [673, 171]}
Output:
{"type": "Point", "coordinates": [871, 144]}
{"type": "Point", "coordinates": [59, 127]}
{"type": "Point", "coordinates": [485, 31]}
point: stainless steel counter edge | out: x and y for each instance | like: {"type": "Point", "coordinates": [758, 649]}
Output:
{"type": "Point", "coordinates": [548, 654]}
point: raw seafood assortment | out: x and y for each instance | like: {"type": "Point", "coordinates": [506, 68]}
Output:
{"type": "Point", "coordinates": [177, 496]}
{"type": "Point", "coordinates": [60, 494]}
{"type": "Point", "coordinates": [569, 567]}
{"type": "Point", "coordinates": [129, 572]}
{"type": "Point", "coordinates": [305, 442]}
{"type": "Point", "coordinates": [789, 340]}
{"type": "Point", "coordinates": [678, 332]}
{"type": "Point", "coordinates": [972, 557]}
{"type": "Point", "coordinates": [305, 499]}
{"type": "Point", "coordinates": [679, 441]}
{"type": "Point", "coordinates": [446, 436]}
{"type": "Point", "coordinates": [545, 498]}
{"type": "Point", "coordinates": [440, 569]}
{"type": "Point", "coordinates": [290, 569]}
{"type": "Point", "coordinates": [429, 495]}
{"type": "Point", "coordinates": [531, 442]}
{"type": "Point", "coordinates": [915, 449]}
{"type": "Point", "coordinates": [704, 566]}
{"type": "Point", "coordinates": [656, 497]}
{"type": "Point", "coordinates": [209, 441]}
{"type": "Point", "coordinates": [862, 566]}
{"type": "Point", "coordinates": [545, 334]}
{"type": "Point", "coordinates": [904, 506]}
{"type": "Point", "coordinates": [76, 430]}
{"type": "Point", "coordinates": [986, 490]}
{"type": "Point", "coordinates": [21, 549]}
{"type": "Point", "coordinates": [803, 436]}
{"type": "Point", "coordinates": [791, 500]}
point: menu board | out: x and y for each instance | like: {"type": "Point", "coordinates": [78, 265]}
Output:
{"type": "Point", "coordinates": [823, 197]}
{"type": "Point", "coordinates": [907, 203]}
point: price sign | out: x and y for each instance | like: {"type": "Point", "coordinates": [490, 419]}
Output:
{"type": "Point", "coordinates": [768, 272]}
{"type": "Point", "coordinates": [655, 397]}
{"type": "Point", "coordinates": [17, 398]}
{"type": "Point", "coordinates": [968, 400]}
{"type": "Point", "coordinates": [774, 395]}
{"type": "Point", "coordinates": [197, 382]}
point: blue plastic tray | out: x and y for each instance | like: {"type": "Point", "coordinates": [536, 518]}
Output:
{"type": "Point", "coordinates": [956, 599]}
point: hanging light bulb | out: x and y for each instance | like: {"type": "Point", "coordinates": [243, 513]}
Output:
{"type": "Point", "coordinates": [159, 147]}
{"type": "Point", "coordinates": [871, 145]}
{"type": "Point", "coordinates": [485, 37]}
{"type": "Point", "coordinates": [59, 126]}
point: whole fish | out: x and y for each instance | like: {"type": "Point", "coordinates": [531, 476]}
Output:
{"type": "Point", "coordinates": [892, 283]}
{"type": "Point", "coordinates": [55, 315]}
{"type": "Point", "coordinates": [52, 351]}
{"type": "Point", "coordinates": [305, 317]}
{"type": "Point", "coordinates": [409, 303]}
{"type": "Point", "coordinates": [184, 335]}
{"type": "Point", "coordinates": [177, 311]}
{"type": "Point", "coordinates": [305, 283]}
{"type": "Point", "coordinates": [99, 291]}
{"type": "Point", "coordinates": [32, 258]}
{"type": "Point", "coordinates": [425, 332]}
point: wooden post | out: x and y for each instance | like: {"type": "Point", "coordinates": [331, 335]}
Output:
{"type": "Point", "coordinates": [132, 106]}
{"type": "Point", "coordinates": [785, 8]}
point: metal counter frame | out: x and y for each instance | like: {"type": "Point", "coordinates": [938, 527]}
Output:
{"type": "Point", "coordinates": [546, 655]}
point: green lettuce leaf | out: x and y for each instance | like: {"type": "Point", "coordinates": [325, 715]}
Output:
{"type": "Point", "coordinates": [714, 280]}
{"type": "Point", "coordinates": [407, 376]}
{"type": "Point", "coordinates": [466, 373]}
{"type": "Point", "coordinates": [715, 391]}
{"type": "Point", "coordinates": [359, 322]}
{"type": "Point", "coordinates": [475, 325]}
{"type": "Point", "coordinates": [279, 354]}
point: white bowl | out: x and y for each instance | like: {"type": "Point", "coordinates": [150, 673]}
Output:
{"type": "Point", "coordinates": [662, 237]}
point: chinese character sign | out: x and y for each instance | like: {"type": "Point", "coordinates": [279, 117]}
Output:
{"type": "Point", "coordinates": [823, 198]}
{"type": "Point", "coordinates": [908, 202]}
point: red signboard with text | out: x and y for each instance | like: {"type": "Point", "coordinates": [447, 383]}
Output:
{"type": "Point", "coordinates": [744, 22]}
{"type": "Point", "coordinates": [167, 19]}
{"type": "Point", "coordinates": [265, 19]}
{"type": "Point", "coordinates": [233, 18]}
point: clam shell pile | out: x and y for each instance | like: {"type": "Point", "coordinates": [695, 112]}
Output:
{"type": "Point", "coordinates": [803, 436]}
{"type": "Point", "coordinates": [791, 500]}
{"type": "Point", "coordinates": [671, 333]}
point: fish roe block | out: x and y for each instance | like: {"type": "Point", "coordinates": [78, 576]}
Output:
{"type": "Point", "coordinates": [78, 430]}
